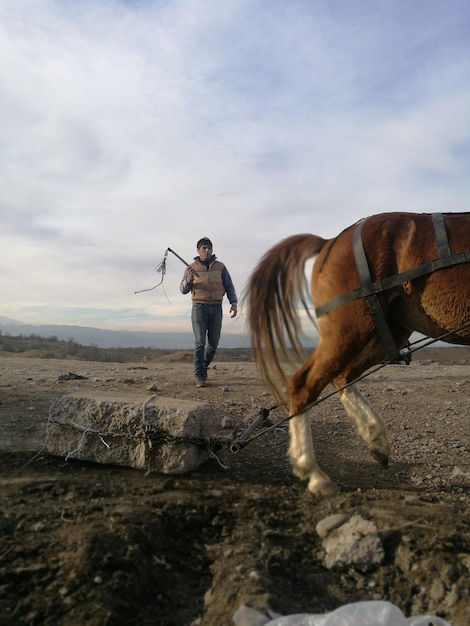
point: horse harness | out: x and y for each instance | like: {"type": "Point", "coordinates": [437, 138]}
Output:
{"type": "Point", "coordinates": [369, 289]}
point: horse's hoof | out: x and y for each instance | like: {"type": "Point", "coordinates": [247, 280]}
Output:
{"type": "Point", "coordinates": [323, 488]}
{"type": "Point", "coordinates": [380, 457]}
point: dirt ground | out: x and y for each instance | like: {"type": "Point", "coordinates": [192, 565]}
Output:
{"type": "Point", "coordinates": [82, 543]}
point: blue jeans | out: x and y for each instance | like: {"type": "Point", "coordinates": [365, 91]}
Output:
{"type": "Point", "coordinates": [207, 325]}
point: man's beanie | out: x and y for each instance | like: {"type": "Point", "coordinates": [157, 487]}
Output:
{"type": "Point", "coordinates": [205, 241]}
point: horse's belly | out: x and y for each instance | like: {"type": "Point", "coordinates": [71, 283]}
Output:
{"type": "Point", "coordinates": [436, 304]}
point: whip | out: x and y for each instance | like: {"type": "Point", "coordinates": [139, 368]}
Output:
{"type": "Point", "coordinates": [161, 268]}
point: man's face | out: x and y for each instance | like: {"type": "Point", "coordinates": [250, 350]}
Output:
{"type": "Point", "coordinates": [205, 252]}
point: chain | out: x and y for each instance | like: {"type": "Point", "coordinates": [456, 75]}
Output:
{"type": "Point", "coordinates": [159, 436]}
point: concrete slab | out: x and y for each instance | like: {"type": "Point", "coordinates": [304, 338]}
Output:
{"type": "Point", "coordinates": [144, 432]}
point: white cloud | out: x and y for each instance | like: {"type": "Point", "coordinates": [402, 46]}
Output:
{"type": "Point", "coordinates": [128, 127]}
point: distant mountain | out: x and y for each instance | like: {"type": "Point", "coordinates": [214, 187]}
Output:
{"type": "Point", "coordinates": [8, 321]}
{"type": "Point", "coordinates": [89, 336]}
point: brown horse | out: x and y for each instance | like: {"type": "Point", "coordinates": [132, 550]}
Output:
{"type": "Point", "coordinates": [371, 286]}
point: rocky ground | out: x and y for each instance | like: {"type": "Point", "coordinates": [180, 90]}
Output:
{"type": "Point", "coordinates": [99, 545]}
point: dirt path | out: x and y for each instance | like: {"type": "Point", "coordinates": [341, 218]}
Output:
{"type": "Point", "coordinates": [98, 545]}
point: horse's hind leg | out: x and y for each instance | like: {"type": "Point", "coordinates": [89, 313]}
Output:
{"type": "Point", "coordinates": [369, 423]}
{"type": "Point", "coordinates": [302, 457]}
{"type": "Point", "coordinates": [304, 388]}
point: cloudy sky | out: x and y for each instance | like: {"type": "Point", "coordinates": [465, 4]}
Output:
{"type": "Point", "coordinates": [131, 126]}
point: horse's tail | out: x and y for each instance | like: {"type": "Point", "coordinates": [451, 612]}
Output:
{"type": "Point", "coordinates": [275, 290]}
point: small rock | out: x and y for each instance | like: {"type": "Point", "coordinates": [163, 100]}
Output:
{"type": "Point", "coordinates": [72, 376]}
{"type": "Point", "coordinates": [354, 543]}
{"type": "Point", "coordinates": [326, 525]}
{"type": "Point", "coordinates": [424, 362]}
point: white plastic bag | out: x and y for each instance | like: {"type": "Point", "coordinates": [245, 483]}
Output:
{"type": "Point", "coordinates": [371, 613]}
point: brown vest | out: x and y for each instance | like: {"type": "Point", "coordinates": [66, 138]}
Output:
{"type": "Point", "coordinates": [208, 287]}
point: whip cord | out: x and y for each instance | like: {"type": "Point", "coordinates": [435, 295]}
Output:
{"type": "Point", "coordinates": [161, 268]}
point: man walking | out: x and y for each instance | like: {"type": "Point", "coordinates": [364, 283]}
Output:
{"type": "Point", "coordinates": [208, 280]}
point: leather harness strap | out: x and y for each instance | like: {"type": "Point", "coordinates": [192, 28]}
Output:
{"type": "Point", "coordinates": [379, 286]}
{"type": "Point", "coordinates": [369, 289]}
{"type": "Point", "coordinates": [440, 231]}
{"type": "Point", "coordinates": [372, 300]}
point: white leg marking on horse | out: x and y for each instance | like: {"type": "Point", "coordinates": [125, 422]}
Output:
{"type": "Point", "coordinates": [302, 457]}
{"type": "Point", "coordinates": [369, 423]}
